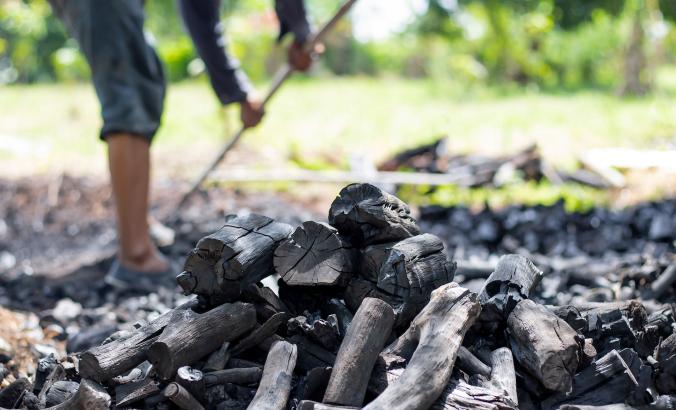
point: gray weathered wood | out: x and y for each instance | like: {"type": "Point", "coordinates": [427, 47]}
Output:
{"type": "Point", "coordinates": [368, 215]}
{"type": "Point", "coordinates": [273, 391]}
{"type": "Point", "coordinates": [218, 358]}
{"type": "Point", "coordinates": [240, 253]}
{"type": "Point", "coordinates": [191, 336]}
{"type": "Point", "coordinates": [458, 395]}
{"type": "Point", "coordinates": [104, 362]}
{"type": "Point", "coordinates": [431, 342]}
{"type": "Point", "coordinates": [503, 376]}
{"type": "Point", "coordinates": [358, 352]}
{"type": "Point", "coordinates": [181, 397]}
{"type": "Point", "coordinates": [314, 255]}
{"type": "Point", "coordinates": [544, 344]}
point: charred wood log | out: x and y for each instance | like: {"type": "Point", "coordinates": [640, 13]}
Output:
{"type": "Point", "coordinates": [666, 357]}
{"type": "Point", "coordinates": [192, 380]}
{"type": "Point", "coordinates": [60, 392]}
{"type": "Point", "coordinates": [358, 352]}
{"type": "Point", "coordinates": [237, 363]}
{"type": "Point", "coordinates": [58, 374]}
{"type": "Point", "coordinates": [514, 278]}
{"type": "Point", "coordinates": [218, 359]}
{"type": "Point", "coordinates": [314, 255]}
{"type": "Point", "coordinates": [458, 395]}
{"type": "Point", "coordinates": [313, 385]}
{"type": "Point", "coordinates": [104, 362]}
{"type": "Point", "coordinates": [432, 344]}
{"type": "Point", "coordinates": [368, 215]}
{"type": "Point", "coordinates": [544, 344]}
{"type": "Point", "coordinates": [126, 394]}
{"type": "Point", "coordinates": [260, 334]}
{"type": "Point", "coordinates": [237, 255]}
{"type": "Point", "coordinates": [190, 336]}
{"type": "Point", "coordinates": [89, 396]}
{"type": "Point", "coordinates": [12, 395]}
{"type": "Point", "coordinates": [181, 397]}
{"type": "Point", "coordinates": [471, 364]}
{"type": "Point", "coordinates": [243, 376]}
{"type": "Point", "coordinates": [273, 391]}
{"type": "Point", "coordinates": [503, 376]}
{"type": "Point", "coordinates": [324, 332]}
{"type": "Point", "coordinates": [607, 381]}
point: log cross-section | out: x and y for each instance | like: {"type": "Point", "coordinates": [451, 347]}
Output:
{"type": "Point", "coordinates": [191, 336]}
{"type": "Point", "coordinates": [240, 253]}
{"type": "Point", "coordinates": [432, 342]}
{"type": "Point", "coordinates": [367, 215]}
{"type": "Point", "coordinates": [314, 255]}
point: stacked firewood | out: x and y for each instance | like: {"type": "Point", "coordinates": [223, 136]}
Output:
{"type": "Point", "coordinates": [365, 314]}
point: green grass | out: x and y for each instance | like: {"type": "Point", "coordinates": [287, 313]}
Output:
{"type": "Point", "coordinates": [54, 127]}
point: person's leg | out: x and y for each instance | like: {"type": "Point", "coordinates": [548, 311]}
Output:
{"type": "Point", "coordinates": [129, 163]}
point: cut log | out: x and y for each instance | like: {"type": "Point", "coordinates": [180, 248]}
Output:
{"type": "Point", "coordinates": [503, 376]}
{"type": "Point", "coordinates": [666, 357]}
{"type": "Point", "coordinates": [458, 395]}
{"type": "Point", "coordinates": [190, 336]}
{"type": "Point", "coordinates": [243, 376]}
{"type": "Point", "coordinates": [314, 255]}
{"type": "Point", "coordinates": [181, 397]}
{"type": "Point", "coordinates": [607, 381]}
{"type": "Point", "coordinates": [410, 269]}
{"type": "Point", "coordinates": [544, 344]}
{"type": "Point", "coordinates": [273, 391]}
{"type": "Point", "coordinates": [260, 334]}
{"type": "Point", "coordinates": [514, 278]}
{"type": "Point", "coordinates": [218, 359]}
{"type": "Point", "coordinates": [358, 352]}
{"type": "Point", "coordinates": [126, 394]}
{"type": "Point", "coordinates": [471, 364]}
{"type": "Point", "coordinates": [432, 342]}
{"type": "Point", "coordinates": [237, 255]}
{"type": "Point", "coordinates": [89, 396]}
{"type": "Point", "coordinates": [104, 362]}
{"type": "Point", "coordinates": [367, 215]}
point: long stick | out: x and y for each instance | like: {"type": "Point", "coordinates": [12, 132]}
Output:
{"type": "Point", "coordinates": [280, 77]}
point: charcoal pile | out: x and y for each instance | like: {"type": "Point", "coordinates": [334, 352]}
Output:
{"type": "Point", "coordinates": [368, 312]}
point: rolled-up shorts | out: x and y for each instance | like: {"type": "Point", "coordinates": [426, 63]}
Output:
{"type": "Point", "coordinates": [126, 72]}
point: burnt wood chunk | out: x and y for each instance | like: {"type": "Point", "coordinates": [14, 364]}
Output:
{"type": "Point", "coordinates": [181, 397]}
{"type": "Point", "coordinates": [126, 394]}
{"type": "Point", "coordinates": [311, 405]}
{"type": "Point", "coordinates": [192, 380]}
{"type": "Point", "coordinates": [431, 345]}
{"type": "Point", "coordinates": [218, 359]}
{"type": "Point", "coordinates": [89, 396]}
{"type": "Point", "coordinates": [458, 395]}
{"type": "Point", "coordinates": [503, 375]}
{"type": "Point", "coordinates": [191, 336]}
{"type": "Point", "coordinates": [275, 387]}
{"type": "Point", "coordinates": [663, 283]}
{"type": "Point", "coordinates": [544, 344]}
{"type": "Point", "coordinates": [240, 253]}
{"type": "Point", "coordinates": [260, 334]}
{"type": "Point", "coordinates": [410, 269]}
{"type": "Point", "coordinates": [104, 362]}
{"type": "Point", "coordinates": [314, 255]}
{"type": "Point", "coordinates": [12, 395]}
{"type": "Point", "coordinates": [358, 352]}
{"type": "Point", "coordinates": [368, 215]}
{"type": "Point", "coordinates": [609, 380]}
{"type": "Point", "coordinates": [60, 392]}
{"type": "Point", "coordinates": [243, 376]}
{"type": "Point", "coordinates": [471, 364]}
{"type": "Point", "coordinates": [514, 278]}
{"type": "Point", "coordinates": [666, 358]}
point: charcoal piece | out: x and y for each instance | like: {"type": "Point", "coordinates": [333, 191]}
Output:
{"type": "Point", "coordinates": [218, 358]}
{"type": "Point", "coordinates": [503, 376]}
{"type": "Point", "coordinates": [189, 336]}
{"type": "Point", "coordinates": [45, 367]}
{"type": "Point", "coordinates": [544, 344]}
{"type": "Point", "coordinates": [513, 280]}
{"type": "Point", "coordinates": [192, 380]}
{"type": "Point", "coordinates": [181, 397]}
{"type": "Point", "coordinates": [60, 391]}
{"type": "Point", "coordinates": [242, 376]}
{"type": "Point", "coordinates": [313, 385]}
{"type": "Point", "coordinates": [337, 307]}
{"type": "Point", "coordinates": [104, 362]}
{"type": "Point", "coordinates": [90, 337]}
{"type": "Point", "coordinates": [664, 282]}
{"type": "Point", "coordinates": [239, 254]}
{"type": "Point", "coordinates": [310, 354]}
{"type": "Point", "coordinates": [358, 289]}
{"type": "Point", "coordinates": [471, 364]}
{"type": "Point", "coordinates": [666, 358]}
{"type": "Point", "coordinates": [358, 352]}
{"type": "Point", "coordinates": [324, 332]}
{"type": "Point", "coordinates": [367, 215]}
{"type": "Point", "coordinates": [314, 255]}
{"type": "Point", "coordinates": [129, 393]}
{"type": "Point", "coordinates": [12, 395]}
{"type": "Point", "coordinates": [312, 405]}
{"type": "Point", "coordinates": [89, 396]}
{"type": "Point", "coordinates": [458, 395]}
{"type": "Point", "coordinates": [260, 333]}
{"type": "Point", "coordinates": [275, 386]}
{"type": "Point", "coordinates": [430, 345]}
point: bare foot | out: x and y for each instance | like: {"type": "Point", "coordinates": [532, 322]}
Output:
{"type": "Point", "coordinates": [150, 262]}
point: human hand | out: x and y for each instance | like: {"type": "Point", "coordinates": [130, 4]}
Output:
{"type": "Point", "coordinates": [301, 59]}
{"type": "Point", "coordinates": [251, 112]}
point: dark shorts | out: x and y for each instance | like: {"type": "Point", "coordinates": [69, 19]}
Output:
{"type": "Point", "coordinates": [126, 72]}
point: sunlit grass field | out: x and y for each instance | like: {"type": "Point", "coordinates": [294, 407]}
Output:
{"type": "Point", "coordinates": [53, 128]}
